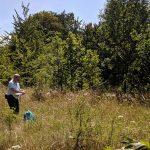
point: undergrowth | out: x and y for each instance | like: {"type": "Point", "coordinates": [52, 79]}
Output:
{"type": "Point", "coordinates": [81, 120]}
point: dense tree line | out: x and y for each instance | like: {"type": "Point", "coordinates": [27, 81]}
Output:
{"type": "Point", "coordinates": [59, 51]}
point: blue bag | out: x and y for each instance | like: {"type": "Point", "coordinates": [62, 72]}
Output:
{"type": "Point", "coordinates": [28, 115]}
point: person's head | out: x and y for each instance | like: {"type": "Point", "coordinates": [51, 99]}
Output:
{"type": "Point", "coordinates": [16, 77]}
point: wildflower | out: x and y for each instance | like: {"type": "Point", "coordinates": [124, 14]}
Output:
{"type": "Point", "coordinates": [71, 137]}
{"type": "Point", "coordinates": [132, 121]}
{"type": "Point", "coordinates": [120, 116]}
{"type": "Point", "coordinates": [92, 123]}
{"type": "Point", "coordinates": [16, 147]}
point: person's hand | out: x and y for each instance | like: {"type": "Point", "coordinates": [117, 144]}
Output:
{"type": "Point", "coordinates": [23, 92]}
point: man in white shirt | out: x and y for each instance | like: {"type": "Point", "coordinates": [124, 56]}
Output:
{"type": "Point", "coordinates": [13, 93]}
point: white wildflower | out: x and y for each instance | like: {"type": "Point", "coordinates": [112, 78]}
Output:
{"type": "Point", "coordinates": [120, 116]}
{"type": "Point", "coordinates": [71, 137]}
{"type": "Point", "coordinates": [16, 147]}
{"type": "Point", "coordinates": [92, 123]}
{"type": "Point", "coordinates": [132, 121]}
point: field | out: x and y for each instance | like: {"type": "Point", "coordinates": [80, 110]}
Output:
{"type": "Point", "coordinates": [66, 121]}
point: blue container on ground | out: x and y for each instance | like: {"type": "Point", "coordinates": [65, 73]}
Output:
{"type": "Point", "coordinates": [29, 115]}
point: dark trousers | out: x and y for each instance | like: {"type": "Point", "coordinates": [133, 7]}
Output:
{"type": "Point", "coordinates": [13, 103]}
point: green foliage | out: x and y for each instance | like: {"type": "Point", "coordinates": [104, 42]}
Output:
{"type": "Point", "coordinates": [9, 117]}
{"type": "Point", "coordinates": [49, 65]}
{"type": "Point", "coordinates": [80, 62]}
{"type": "Point", "coordinates": [81, 125]}
{"type": "Point", "coordinates": [139, 74]}
{"type": "Point", "coordinates": [132, 144]}
{"type": "Point", "coordinates": [91, 36]}
{"type": "Point", "coordinates": [118, 48]}
{"type": "Point", "coordinates": [67, 64]}
{"type": "Point", "coordinates": [69, 23]}
{"type": "Point", "coordinates": [108, 148]}
{"type": "Point", "coordinates": [5, 64]}
{"type": "Point", "coordinates": [57, 51]}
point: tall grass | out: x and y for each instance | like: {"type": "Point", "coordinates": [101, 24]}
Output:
{"type": "Point", "coordinates": [82, 120]}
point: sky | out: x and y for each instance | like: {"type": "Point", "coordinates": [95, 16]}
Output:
{"type": "Point", "coordinates": [86, 10]}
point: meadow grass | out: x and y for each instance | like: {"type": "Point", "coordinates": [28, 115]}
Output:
{"type": "Point", "coordinates": [80, 120]}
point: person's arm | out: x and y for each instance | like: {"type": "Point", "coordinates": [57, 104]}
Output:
{"type": "Point", "coordinates": [14, 89]}
{"type": "Point", "coordinates": [18, 91]}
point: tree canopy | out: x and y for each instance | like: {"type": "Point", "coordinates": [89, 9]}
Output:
{"type": "Point", "coordinates": [60, 51]}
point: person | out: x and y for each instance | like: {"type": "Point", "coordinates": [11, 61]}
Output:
{"type": "Point", "coordinates": [13, 93]}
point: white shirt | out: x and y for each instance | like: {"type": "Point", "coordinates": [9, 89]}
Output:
{"type": "Point", "coordinates": [13, 85]}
